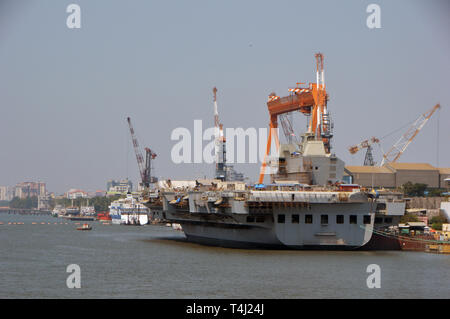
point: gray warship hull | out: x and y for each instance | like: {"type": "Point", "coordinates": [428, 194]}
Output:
{"type": "Point", "coordinates": [273, 219]}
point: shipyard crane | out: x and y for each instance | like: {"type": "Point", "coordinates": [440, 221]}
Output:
{"type": "Point", "coordinates": [219, 143]}
{"type": "Point", "coordinates": [368, 159]}
{"type": "Point", "coordinates": [400, 146]}
{"type": "Point", "coordinates": [311, 101]}
{"type": "Point", "coordinates": [145, 168]}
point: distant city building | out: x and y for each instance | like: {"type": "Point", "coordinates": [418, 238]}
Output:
{"type": "Point", "coordinates": [6, 193]}
{"type": "Point", "coordinates": [98, 193]}
{"type": "Point", "coordinates": [76, 193]}
{"type": "Point", "coordinates": [44, 202]}
{"type": "Point", "coordinates": [119, 187]}
{"type": "Point", "coordinates": [30, 189]}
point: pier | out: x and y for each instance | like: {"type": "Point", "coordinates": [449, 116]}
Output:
{"type": "Point", "coordinates": [23, 211]}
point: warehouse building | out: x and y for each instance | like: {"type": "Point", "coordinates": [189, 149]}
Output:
{"type": "Point", "coordinates": [370, 176]}
{"type": "Point", "coordinates": [394, 175]}
{"type": "Point", "coordinates": [444, 178]}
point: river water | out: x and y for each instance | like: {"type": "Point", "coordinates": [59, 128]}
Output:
{"type": "Point", "coordinates": [118, 261]}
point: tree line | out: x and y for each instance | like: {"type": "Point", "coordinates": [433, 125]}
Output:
{"type": "Point", "coordinates": [100, 204]}
{"type": "Point", "coordinates": [421, 190]}
{"type": "Point", "coordinates": [25, 203]}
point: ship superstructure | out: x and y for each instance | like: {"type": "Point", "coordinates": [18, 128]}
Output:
{"type": "Point", "coordinates": [129, 211]}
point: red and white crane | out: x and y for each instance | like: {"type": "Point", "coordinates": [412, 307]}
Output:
{"type": "Point", "coordinates": [219, 143]}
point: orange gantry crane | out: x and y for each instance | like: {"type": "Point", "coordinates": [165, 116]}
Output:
{"type": "Point", "coordinates": [311, 101]}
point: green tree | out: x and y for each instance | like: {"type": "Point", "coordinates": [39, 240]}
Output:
{"type": "Point", "coordinates": [435, 192]}
{"type": "Point", "coordinates": [408, 218]}
{"type": "Point", "coordinates": [25, 203]}
{"type": "Point", "coordinates": [437, 221]}
{"type": "Point", "coordinates": [101, 204]}
{"type": "Point", "coordinates": [417, 189]}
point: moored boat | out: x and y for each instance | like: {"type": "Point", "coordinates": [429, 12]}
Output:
{"type": "Point", "coordinates": [103, 216]}
{"type": "Point", "coordinates": [85, 227]}
{"type": "Point", "coordinates": [129, 211]}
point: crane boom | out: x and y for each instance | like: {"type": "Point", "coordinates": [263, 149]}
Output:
{"type": "Point", "coordinates": [286, 124]}
{"type": "Point", "coordinates": [400, 146]}
{"type": "Point", "coordinates": [137, 151]}
{"type": "Point", "coordinates": [144, 167]}
{"type": "Point", "coordinates": [363, 144]}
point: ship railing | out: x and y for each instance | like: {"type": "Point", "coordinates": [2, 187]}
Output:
{"type": "Point", "coordinates": [279, 196]}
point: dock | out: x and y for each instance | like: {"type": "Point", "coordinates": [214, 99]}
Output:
{"type": "Point", "coordinates": [24, 211]}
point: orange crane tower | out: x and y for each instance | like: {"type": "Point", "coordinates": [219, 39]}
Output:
{"type": "Point", "coordinates": [311, 100]}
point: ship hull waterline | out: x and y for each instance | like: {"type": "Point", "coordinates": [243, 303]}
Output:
{"type": "Point", "coordinates": [234, 232]}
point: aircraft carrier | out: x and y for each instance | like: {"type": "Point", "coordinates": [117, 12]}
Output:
{"type": "Point", "coordinates": [304, 206]}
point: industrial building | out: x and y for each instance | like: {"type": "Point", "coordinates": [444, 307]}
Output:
{"type": "Point", "coordinates": [119, 187]}
{"type": "Point", "coordinates": [394, 175]}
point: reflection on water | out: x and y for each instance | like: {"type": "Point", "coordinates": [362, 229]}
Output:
{"type": "Point", "coordinates": [157, 262]}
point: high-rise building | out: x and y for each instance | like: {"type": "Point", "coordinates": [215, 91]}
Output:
{"type": "Point", "coordinates": [30, 189]}
{"type": "Point", "coordinates": [6, 193]}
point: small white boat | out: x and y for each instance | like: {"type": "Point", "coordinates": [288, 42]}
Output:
{"type": "Point", "coordinates": [176, 226]}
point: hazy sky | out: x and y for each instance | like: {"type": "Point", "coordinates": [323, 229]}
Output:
{"type": "Point", "coordinates": [66, 93]}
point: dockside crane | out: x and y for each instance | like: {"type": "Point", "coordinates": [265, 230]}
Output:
{"type": "Point", "coordinates": [219, 143]}
{"type": "Point", "coordinates": [145, 168]}
{"type": "Point", "coordinates": [368, 159]}
{"type": "Point", "coordinates": [311, 101]}
{"type": "Point", "coordinates": [400, 146]}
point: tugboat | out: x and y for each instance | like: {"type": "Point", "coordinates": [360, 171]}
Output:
{"type": "Point", "coordinates": [85, 227]}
